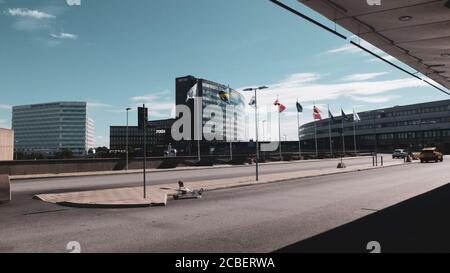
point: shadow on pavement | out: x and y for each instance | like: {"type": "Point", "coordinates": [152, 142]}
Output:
{"type": "Point", "coordinates": [420, 224]}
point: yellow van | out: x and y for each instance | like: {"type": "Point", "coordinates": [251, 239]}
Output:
{"type": "Point", "coordinates": [431, 154]}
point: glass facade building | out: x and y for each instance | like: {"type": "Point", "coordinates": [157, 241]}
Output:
{"type": "Point", "coordinates": [49, 127]}
{"type": "Point", "coordinates": [411, 127]}
{"type": "Point", "coordinates": [157, 138]}
{"type": "Point", "coordinates": [217, 99]}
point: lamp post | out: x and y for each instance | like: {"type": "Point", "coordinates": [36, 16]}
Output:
{"type": "Point", "coordinates": [126, 146]}
{"type": "Point", "coordinates": [264, 129]}
{"type": "Point", "coordinates": [375, 117]}
{"type": "Point", "coordinates": [15, 157]}
{"type": "Point", "coordinates": [256, 125]}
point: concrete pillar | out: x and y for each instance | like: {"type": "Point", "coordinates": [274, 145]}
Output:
{"type": "Point", "coordinates": [5, 189]}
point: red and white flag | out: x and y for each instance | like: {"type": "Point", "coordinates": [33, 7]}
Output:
{"type": "Point", "coordinates": [316, 113]}
{"type": "Point", "coordinates": [281, 107]}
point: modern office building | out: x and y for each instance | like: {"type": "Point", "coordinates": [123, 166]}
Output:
{"type": "Point", "coordinates": [215, 97]}
{"type": "Point", "coordinates": [158, 137]}
{"type": "Point", "coordinates": [6, 144]}
{"type": "Point", "coordinates": [49, 127]}
{"type": "Point", "coordinates": [409, 127]}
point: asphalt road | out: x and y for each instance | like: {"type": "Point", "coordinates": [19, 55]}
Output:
{"type": "Point", "coordinates": [252, 219]}
{"type": "Point", "coordinates": [28, 187]}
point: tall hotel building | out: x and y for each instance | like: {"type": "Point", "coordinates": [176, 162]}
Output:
{"type": "Point", "coordinates": [49, 127]}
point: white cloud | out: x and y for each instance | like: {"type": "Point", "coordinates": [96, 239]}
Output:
{"type": "Point", "coordinates": [5, 106]}
{"type": "Point", "coordinates": [386, 57]}
{"type": "Point", "coordinates": [23, 12]}
{"type": "Point", "coordinates": [347, 48]}
{"type": "Point", "coordinates": [363, 76]}
{"type": "Point", "coordinates": [307, 88]}
{"type": "Point", "coordinates": [291, 88]}
{"type": "Point", "coordinates": [375, 99]}
{"type": "Point", "coordinates": [73, 2]}
{"type": "Point", "coordinates": [144, 98]}
{"type": "Point", "coordinates": [352, 49]}
{"type": "Point", "coordinates": [64, 35]}
{"type": "Point", "coordinates": [97, 105]}
{"type": "Point", "coordinates": [159, 106]}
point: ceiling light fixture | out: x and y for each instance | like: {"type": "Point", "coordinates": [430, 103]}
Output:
{"type": "Point", "coordinates": [405, 18]}
{"type": "Point", "coordinates": [436, 65]}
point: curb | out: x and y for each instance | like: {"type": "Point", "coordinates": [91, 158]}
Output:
{"type": "Point", "coordinates": [245, 184]}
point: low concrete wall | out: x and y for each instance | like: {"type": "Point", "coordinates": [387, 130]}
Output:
{"type": "Point", "coordinates": [5, 189]}
{"type": "Point", "coordinates": [26, 167]}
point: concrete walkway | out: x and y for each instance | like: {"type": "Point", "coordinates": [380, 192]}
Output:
{"type": "Point", "coordinates": [157, 195]}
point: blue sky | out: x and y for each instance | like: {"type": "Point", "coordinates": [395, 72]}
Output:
{"type": "Point", "coordinates": [116, 53]}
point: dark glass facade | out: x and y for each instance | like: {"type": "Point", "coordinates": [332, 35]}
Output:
{"type": "Point", "coordinates": [230, 103]}
{"type": "Point", "coordinates": [158, 137]}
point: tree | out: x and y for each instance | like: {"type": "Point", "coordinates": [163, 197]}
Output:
{"type": "Point", "coordinates": [102, 152]}
{"type": "Point", "coordinates": [64, 153]}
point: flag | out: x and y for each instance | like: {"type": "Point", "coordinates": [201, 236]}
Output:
{"type": "Point", "coordinates": [192, 93]}
{"type": "Point", "coordinates": [316, 113]}
{"type": "Point", "coordinates": [344, 116]}
{"type": "Point", "coordinates": [281, 107]}
{"type": "Point", "coordinates": [330, 116]}
{"type": "Point", "coordinates": [224, 96]}
{"type": "Point", "coordinates": [252, 102]}
{"type": "Point", "coordinates": [299, 107]}
{"type": "Point", "coordinates": [356, 117]}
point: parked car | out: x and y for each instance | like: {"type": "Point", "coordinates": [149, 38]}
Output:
{"type": "Point", "coordinates": [399, 153]}
{"type": "Point", "coordinates": [431, 154]}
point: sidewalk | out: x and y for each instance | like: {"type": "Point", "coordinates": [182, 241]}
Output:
{"type": "Point", "coordinates": [157, 195]}
{"type": "Point", "coordinates": [124, 172]}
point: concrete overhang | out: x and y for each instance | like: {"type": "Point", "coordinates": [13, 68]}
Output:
{"type": "Point", "coordinates": [416, 32]}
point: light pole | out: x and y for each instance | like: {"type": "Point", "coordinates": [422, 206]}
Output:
{"type": "Point", "coordinates": [375, 117]}
{"type": "Point", "coordinates": [15, 157]}
{"type": "Point", "coordinates": [126, 146]}
{"type": "Point", "coordinates": [256, 125]}
{"type": "Point", "coordinates": [264, 129]}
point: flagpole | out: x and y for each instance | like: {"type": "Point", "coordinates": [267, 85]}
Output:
{"type": "Point", "coordinates": [354, 131]}
{"type": "Point", "coordinates": [315, 132]}
{"type": "Point", "coordinates": [200, 121]}
{"type": "Point", "coordinates": [279, 130]}
{"type": "Point", "coordinates": [298, 133]}
{"type": "Point", "coordinates": [343, 137]}
{"type": "Point", "coordinates": [329, 132]}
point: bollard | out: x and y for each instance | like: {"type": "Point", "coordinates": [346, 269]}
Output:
{"type": "Point", "coordinates": [5, 189]}
{"type": "Point", "coordinates": [382, 162]}
{"type": "Point", "coordinates": [373, 161]}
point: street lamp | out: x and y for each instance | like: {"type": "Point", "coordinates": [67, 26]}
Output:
{"type": "Point", "coordinates": [15, 156]}
{"type": "Point", "coordinates": [375, 129]}
{"type": "Point", "coordinates": [126, 146]}
{"type": "Point", "coordinates": [256, 125]}
{"type": "Point", "coordinates": [264, 130]}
